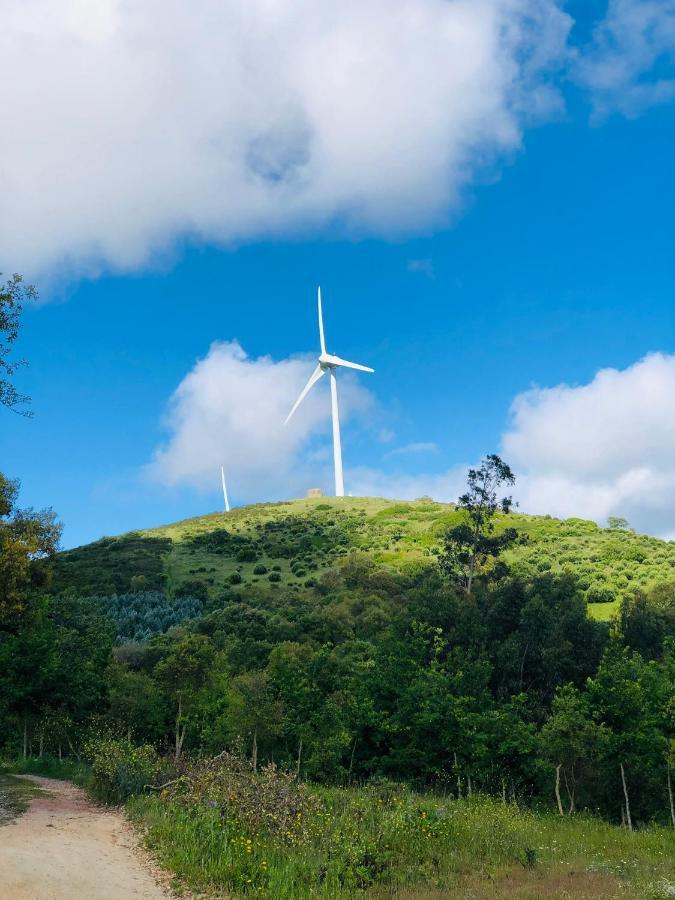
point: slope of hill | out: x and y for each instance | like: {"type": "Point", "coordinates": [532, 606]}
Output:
{"type": "Point", "coordinates": [292, 543]}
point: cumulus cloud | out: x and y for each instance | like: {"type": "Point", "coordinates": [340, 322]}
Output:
{"type": "Point", "coordinates": [229, 410]}
{"type": "Point", "coordinates": [630, 63]}
{"type": "Point", "coordinates": [600, 449]}
{"type": "Point", "coordinates": [131, 126]}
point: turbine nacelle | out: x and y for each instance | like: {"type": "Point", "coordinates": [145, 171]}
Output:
{"type": "Point", "coordinates": [328, 361]}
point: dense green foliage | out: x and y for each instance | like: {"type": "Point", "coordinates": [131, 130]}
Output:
{"type": "Point", "coordinates": [370, 671]}
{"type": "Point", "coordinates": [139, 616]}
{"type": "Point", "coordinates": [299, 541]}
{"type": "Point", "coordinates": [132, 562]}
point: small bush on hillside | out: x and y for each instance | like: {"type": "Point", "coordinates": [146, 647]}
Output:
{"type": "Point", "coordinates": [235, 578]}
{"type": "Point", "coordinates": [274, 576]}
{"type": "Point", "coordinates": [247, 554]}
{"type": "Point", "coordinates": [119, 768]}
{"type": "Point", "coordinates": [271, 800]}
{"type": "Point", "coordinates": [260, 569]}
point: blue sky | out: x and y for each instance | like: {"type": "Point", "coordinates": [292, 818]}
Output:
{"type": "Point", "coordinates": [555, 262]}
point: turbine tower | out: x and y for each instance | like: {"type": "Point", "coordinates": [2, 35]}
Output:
{"type": "Point", "coordinates": [225, 497]}
{"type": "Point", "coordinates": [329, 363]}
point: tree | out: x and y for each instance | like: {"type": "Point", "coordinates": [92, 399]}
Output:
{"type": "Point", "coordinates": [13, 294]}
{"type": "Point", "coordinates": [28, 541]}
{"type": "Point", "coordinates": [470, 544]}
{"type": "Point", "coordinates": [618, 523]}
{"type": "Point", "coordinates": [183, 672]}
{"type": "Point", "coordinates": [629, 697]}
{"type": "Point", "coordinates": [254, 711]}
{"type": "Point", "coordinates": [571, 740]}
{"type": "Point", "coordinates": [135, 702]}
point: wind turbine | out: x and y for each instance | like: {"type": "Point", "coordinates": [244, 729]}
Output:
{"type": "Point", "coordinates": [329, 363]}
{"type": "Point", "coordinates": [225, 498]}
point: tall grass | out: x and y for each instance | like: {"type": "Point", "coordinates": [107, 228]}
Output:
{"type": "Point", "coordinates": [365, 841]}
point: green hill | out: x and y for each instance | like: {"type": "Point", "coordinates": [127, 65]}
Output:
{"type": "Point", "coordinates": [293, 543]}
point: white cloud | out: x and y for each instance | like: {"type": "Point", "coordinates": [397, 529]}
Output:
{"type": "Point", "coordinates": [600, 449]}
{"type": "Point", "coordinates": [621, 66]}
{"type": "Point", "coordinates": [230, 409]}
{"type": "Point", "coordinates": [131, 126]}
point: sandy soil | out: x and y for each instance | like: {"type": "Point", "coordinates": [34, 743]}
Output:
{"type": "Point", "coordinates": [65, 848]}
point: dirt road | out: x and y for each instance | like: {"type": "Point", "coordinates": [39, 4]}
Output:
{"type": "Point", "coordinates": [65, 848]}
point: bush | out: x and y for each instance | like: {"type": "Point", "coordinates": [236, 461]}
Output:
{"type": "Point", "coordinates": [274, 576]}
{"type": "Point", "coordinates": [235, 578]}
{"type": "Point", "coordinates": [119, 768]}
{"type": "Point", "coordinates": [247, 554]}
{"type": "Point", "coordinates": [260, 569]}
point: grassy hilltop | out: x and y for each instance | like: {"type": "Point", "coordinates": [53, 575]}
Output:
{"type": "Point", "coordinates": [293, 543]}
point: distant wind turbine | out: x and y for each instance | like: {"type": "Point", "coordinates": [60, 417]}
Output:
{"type": "Point", "coordinates": [329, 363]}
{"type": "Point", "coordinates": [225, 498]}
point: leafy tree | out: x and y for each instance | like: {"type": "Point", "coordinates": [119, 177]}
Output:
{"type": "Point", "coordinates": [470, 544]}
{"type": "Point", "coordinates": [571, 740]}
{"type": "Point", "coordinates": [617, 523]}
{"type": "Point", "coordinates": [13, 294]}
{"type": "Point", "coordinates": [28, 541]}
{"type": "Point", "coordinates": [628, 697]}
{"type": "Point", "coordinates": [135, 702]}
{"type": "Point", "coordinates": [182, 672]}
{"type": "Point", "coordinates": [645, 624]}
{"type": "Point", "coordinates": [254, 711]}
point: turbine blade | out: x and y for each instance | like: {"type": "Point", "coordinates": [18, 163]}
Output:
{"type": "Point", "coordinates": [313, 378]}
{"type": "Point", "coordinates": [321, 337]}
{"type": "Point", "coordinates": [337, 361]}
{"type": "Point", "coordinates": [225, 497]}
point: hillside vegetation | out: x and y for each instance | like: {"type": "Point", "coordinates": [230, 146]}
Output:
{"type": "Point", "coordinates": [291, 544]}
{"type": "Point", "coordinates": [339, 697]}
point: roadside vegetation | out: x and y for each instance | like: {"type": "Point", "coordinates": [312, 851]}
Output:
{"type": "Point", "coordinates": [331, 697]}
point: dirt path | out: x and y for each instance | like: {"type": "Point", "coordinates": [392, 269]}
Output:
{"type": "Point", "coordinates": [65, 848]}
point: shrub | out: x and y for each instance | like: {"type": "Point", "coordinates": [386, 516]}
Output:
{"type": "Point", "coordinates": [274, 576]}
{"type": "Point", "coordinates": [235, 578]}
{"type": "Point", "coordinates": [119, 768]}
{"type": "Point", "coordinates": [247, 554]}
{"type": "Point", "coordinates": [260, 569]}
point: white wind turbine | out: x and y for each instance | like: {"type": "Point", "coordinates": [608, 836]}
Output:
{"type": "Point", "coordinates": [329, 363]}
{"type": "Point", "coordinates": [225, 497]}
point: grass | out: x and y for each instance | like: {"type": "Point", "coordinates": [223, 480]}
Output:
{"type": "Point", "coordinates": [15, 797]}
{"type": "Point", "coordinates": [392, 843]}
{"type": "Point", "coordinates": [300, 540]}
{"type": "Point", "coordinates": [604, 612]}
{"type": "Point", "coordinates": [49, 767]}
